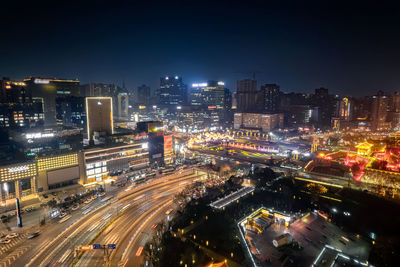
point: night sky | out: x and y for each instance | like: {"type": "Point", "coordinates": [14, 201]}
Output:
{"type": "Point", "coordinates": [348, 49]}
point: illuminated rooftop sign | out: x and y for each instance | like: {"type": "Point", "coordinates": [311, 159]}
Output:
{"type": "Point", "coordinates": [41, 81]}
{"type": "Point", "coordinates": [221, 83]}
{"type": "Point", "coordinates": [39, 135]}
{"type": "Point", "coordinates": [199, 84]}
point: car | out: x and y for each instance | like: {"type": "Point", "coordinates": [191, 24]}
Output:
{"type": "Point", "coordinates": [33, 235]}
{"type": "Point", "coordinates": [75, 207]}
{"type": "Point", "coordinates": [5, 241]}
{"type": "Point", "coordinates": [12, 235]}
{"type": "Point", "coordinates": [62, 215]}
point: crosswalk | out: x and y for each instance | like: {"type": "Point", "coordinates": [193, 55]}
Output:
{"type": "Point", "coordinates": [13, 256]}
{"type": "Point", "coordinates": [6, 247]}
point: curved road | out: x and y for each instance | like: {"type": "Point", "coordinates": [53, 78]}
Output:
{"type": "Point", "coordinates": [55, 245]}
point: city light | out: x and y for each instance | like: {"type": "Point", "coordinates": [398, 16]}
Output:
{"type": "Point", "coordinates": [199, 84]}
{"type": "Point", "coordinates": [116, 163]}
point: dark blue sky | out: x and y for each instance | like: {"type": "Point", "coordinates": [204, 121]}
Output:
{"type": "Point", "coordinates": [348, 49]}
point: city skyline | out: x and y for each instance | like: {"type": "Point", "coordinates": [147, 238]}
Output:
{"type": "Point", "coordinates": [300, 48]}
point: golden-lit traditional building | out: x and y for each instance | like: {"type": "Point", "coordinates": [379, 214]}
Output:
{"type": "Point", "coordinates": [364, 149]}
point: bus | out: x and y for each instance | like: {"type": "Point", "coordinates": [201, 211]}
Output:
{"type": "Point", "coordinates": [140, 180]}
{"type": "Point", "coordinates": [151, 175]}
{"type": "Point", "coordinates": [168, 171]}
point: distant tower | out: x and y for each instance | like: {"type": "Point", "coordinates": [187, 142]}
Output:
{"type": "Point", "coordinates": [379, 111]}
{"type": "Point", "coordinates": [246, 95]}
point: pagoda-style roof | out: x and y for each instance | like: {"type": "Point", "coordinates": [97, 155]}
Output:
{"type": "Point", "coordinates": [364, 145]}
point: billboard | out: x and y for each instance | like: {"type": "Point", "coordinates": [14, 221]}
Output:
{"type": "Point", "coordinates": [167, 143]}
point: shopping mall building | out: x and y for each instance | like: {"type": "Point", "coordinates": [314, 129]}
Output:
{"type": "Point", "coordinates": [90, 166]}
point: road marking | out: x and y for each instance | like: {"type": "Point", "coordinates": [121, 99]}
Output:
{"type": "Point", "coordinates": [64, 256]}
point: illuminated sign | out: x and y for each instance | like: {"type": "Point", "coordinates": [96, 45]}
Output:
{"type": "Point", "coordinates": [18, 169]}
{"type": "Point", "coordinates": [142, 107]}
{"type": "Point", "coordinates": [199, 84]}
{"type": "Point", "coordinates": [41, 81]}
{"type": "Point", "coordinates": [221, 83]}
{"type": "Point", "coordinates": [212, 107]}
{"type": "Point", "coordinates": [39, 135]}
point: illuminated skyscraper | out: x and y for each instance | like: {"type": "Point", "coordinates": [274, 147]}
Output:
{"type": "Point", "coordinates": [270, 97]}
{"type": "Point", "coordinates": [379, 112]}
{"type": "Point", "coordinates": [17, 106]}
{"type": "Point", "coordinates": [49, 89]}
{"type": "Point", "coordinates": [346, 109]}
{"type": "Point", "coordinates": [172, 91]}
{"type": "Point", "coordinates": [99, 113]}
{"type": "Point", "coordinates": [208, 94]}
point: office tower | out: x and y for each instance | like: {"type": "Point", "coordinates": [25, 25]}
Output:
{"type": "Point", "coordinates": [142, 95]}
{"type": "Point", "coordinates": [155, 132]}
{"type": "Point", "coordinates": [172, 91]}
{"type": "Point", "coordinates": [324, 104]}
{"type": "Point", "coordinates": [71, 111]}
{"type": "Point", "coordinates": [228, 114]}
{"type": "Point", "coordinates": [395, 111]}
{"type": "Point", "coordinates": [379, 112]}
{"type": "Point", "coordinates": [346, 106]}
{"type": "Point", "coordinates": [246, 95]}
{"type": "Point", "coordinates": [270, 97]}
{"type": "Point", "coordinates": [208, 94]}
{"type": "Point", "coordinates": [122, 106]}
{"type": "Point", "coordinates": [17, 106]}
{"type": "Point", "coordinates": [99, 114]}
{"type": "Point", "coordinates": [99, 89]}
{"type": "Point", "coordinates": [396, 102]}
{"type": "Point", "coordinates": [49, 89]}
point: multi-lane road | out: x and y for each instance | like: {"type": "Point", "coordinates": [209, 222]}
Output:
{"type": "Point", "coordinates": [125, 219]}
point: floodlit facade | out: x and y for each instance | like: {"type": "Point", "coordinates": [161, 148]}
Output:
{"type": "Point", "coordinates": [99, 113]}
{"type": "Point", "coordinates": [257, 121]}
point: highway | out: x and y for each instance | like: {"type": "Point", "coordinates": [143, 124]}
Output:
{"type": "Point", "coordinates": [57, 241]}
{"type": "Point", "coordinates": [125, 231]}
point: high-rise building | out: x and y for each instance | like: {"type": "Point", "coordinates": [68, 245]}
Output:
{"type": "Point", "coordinates": [71, 111]}
{"type": "Point", "coordinates": [142, 96]}
{"type": "Point", "coordinates": [324, 104]}
{"type": "Point", "coordinates": [346, 106]}
{"type": "Point", "coordinates": [208, 94]}
{"type": "Point", "coordinates": [17, 106]}
{"type": "Point", "coordinates": [379, 112]}
{"type": "Point", "coordinates": [49, 89]}
{"type": "Point", "coordinates": [172, 91]}
{"type": "Point", "coordinates": [228, 114]}
{"type": "Point", "coordinates": [246, 95]}
{"type": "Point", "coordinates": [155, 132]}
{"type": "Point", "coordinates": [99, 113]}
{"type": "Point", "coordinates": [270, 97]}
{"type": "Point", "coordinates": [122, 108]}
{"type": "Point", "coordinates": [99, 89]}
